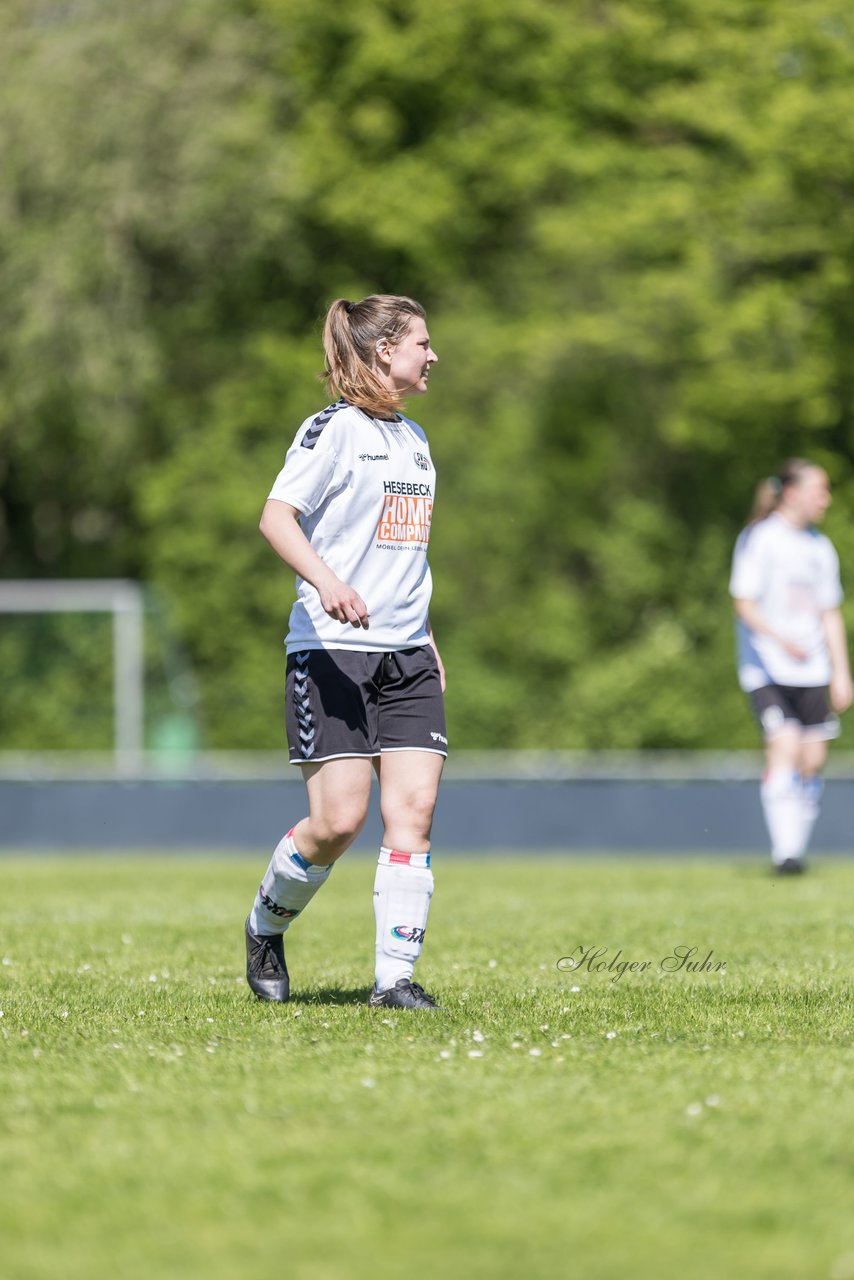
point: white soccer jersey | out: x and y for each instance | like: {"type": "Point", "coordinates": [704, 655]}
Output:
{"type": "Point", "coordinates": [365, 487]}
{"type": "Point", "coordinates": [793, 575]}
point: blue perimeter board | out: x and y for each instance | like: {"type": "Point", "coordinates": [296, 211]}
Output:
{"type": "Point", "coordinates": [648, 816]}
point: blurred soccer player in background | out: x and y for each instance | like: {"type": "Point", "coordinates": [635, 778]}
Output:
{"type": "Point", "coordinates": [792, 652]}
{"type": "Point", "coordinates": [350, 513]}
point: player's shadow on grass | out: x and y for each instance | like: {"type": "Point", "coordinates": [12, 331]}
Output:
{"type": "Point", "coordinates": [332, 995]}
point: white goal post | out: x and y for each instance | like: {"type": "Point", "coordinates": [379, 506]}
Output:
{"type": "Point", "coordinates": [124, 600]}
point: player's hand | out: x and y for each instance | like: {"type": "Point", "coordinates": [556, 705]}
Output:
{"type": "Point", "coordinates": [841, 692]}
{"type": "Point", "coordinates": [796, 651]}
{"type": "Point", "coordinates": [344, 604]}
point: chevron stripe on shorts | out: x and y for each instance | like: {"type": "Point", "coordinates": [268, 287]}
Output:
{"type": "Point", "coordinates": [306, 727]}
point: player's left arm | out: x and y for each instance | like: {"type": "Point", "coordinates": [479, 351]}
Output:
{"type": "Point", "coordinates": [439, 662]}
{"type": "Point", "coordinates": [841, 690]}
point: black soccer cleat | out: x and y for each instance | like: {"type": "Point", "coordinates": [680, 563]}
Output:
{"type": "Point", "coordinates": [266, 971]}
{"type": "Point", "coordinates": [405, 994]}
{"type": "Point", "coordinates": [790, 867]}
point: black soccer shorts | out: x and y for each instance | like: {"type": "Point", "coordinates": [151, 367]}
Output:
{"type": "Point", "coordinates": [348, 702]}
{"type": "Point", "coordinates": [778, 706]}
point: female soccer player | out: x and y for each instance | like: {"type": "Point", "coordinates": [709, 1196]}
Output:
{"type": "Point", "coordinates": [792, 652]}
{"type": "Point", "coordinates": [350, 513]}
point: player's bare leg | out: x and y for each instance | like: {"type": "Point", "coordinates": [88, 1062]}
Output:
{"type": "Point", "coordinates": [781, 798]}
{"type": "Point", "coordinates": [791, 795]}
{"type": "Point", "coordinates": [812, 757]}
{"type": "Point", "coordinates": [338, 795]}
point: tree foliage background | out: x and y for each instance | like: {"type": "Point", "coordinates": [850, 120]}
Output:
{"type": "Point", "coordinates": [632, 224]}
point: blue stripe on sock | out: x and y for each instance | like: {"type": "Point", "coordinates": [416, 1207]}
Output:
{"type": "Point", "coordinates": [301, 861]}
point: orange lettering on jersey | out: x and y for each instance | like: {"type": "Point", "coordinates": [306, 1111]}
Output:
{"type": "Point", "coordinates": [405, 519]}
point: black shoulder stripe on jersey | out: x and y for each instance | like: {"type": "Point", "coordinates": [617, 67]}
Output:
{"type": "Point", "coordinates": [315, 431]}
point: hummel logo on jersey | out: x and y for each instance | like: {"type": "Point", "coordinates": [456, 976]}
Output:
{"type": "Point", "coordinates": [373, 457]}
{"type": "Point", "coordinates": [422, 461]}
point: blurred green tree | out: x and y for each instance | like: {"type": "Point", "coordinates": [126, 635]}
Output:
{"type": "Point", "coordinates": [632, 224]}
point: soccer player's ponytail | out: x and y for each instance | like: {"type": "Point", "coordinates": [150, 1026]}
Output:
{"type": "Point", "coordinates": [350, 336]}
{"type": "Point", "coordinates": [769, 492]}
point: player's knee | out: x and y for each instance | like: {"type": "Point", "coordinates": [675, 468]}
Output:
{"type": "Point", "coordinates": [783, 751]}
{"type": "Point", "coordinates": [339, 828]}
{"type": "Point", "coordinates": [418, 812]}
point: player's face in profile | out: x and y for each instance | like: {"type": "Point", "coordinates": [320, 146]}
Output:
{"type": "Point", "coordinates": [411, 359]}
{"type": "Point", "coordinates": [811, 495]}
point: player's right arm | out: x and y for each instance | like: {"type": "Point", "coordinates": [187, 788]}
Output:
{"type": "Point", "coordinates": [749, 574]}
{"type": "Point", "coordinates": [280, 526]}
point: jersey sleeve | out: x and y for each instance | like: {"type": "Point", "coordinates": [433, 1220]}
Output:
{"type": "Point", "coordinates": [309, 476]}
{"type": "Point", "coordinates": [746, 580]}
{"type": "Point", "coordinates": [830, 587]}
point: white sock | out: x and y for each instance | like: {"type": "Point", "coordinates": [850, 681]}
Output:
{"type": "Point", "coordinates": [290, 882]}
{"type": "Point", "coordinates": [811, 793]}
{"type": "Point", "coordinates": [402, 891]}
{"type": "Point", "coordinates": [782, 803]}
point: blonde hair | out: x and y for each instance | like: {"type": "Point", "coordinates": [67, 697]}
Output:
{"type": "Point", "coordinates": [769, 492]}
{"type": "Point", "coordinates": [350, 335]}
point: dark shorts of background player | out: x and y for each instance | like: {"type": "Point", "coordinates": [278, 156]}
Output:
{"type": "Point", "coordinates": [782, 706]}
{"type": "Point", "coordinates": [346, 702]}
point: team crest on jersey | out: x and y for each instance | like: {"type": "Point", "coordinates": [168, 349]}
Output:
{"type": "Point", "coordinates": [422, 461]}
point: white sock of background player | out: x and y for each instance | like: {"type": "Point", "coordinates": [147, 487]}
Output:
{"type": "Point", "coordinates": [782, 804]}
{"type": "Point", "coordinates": [811, 793]}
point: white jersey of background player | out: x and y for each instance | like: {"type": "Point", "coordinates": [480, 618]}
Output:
{"type": "Point", "coordinates": [792, 653]}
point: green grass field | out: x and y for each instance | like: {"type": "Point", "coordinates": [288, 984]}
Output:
{"type": "Point", "coordinates": [157, 1122]}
